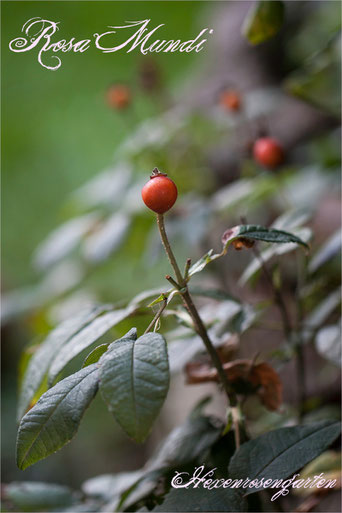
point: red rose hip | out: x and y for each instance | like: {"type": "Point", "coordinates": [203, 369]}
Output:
{"type": "Point", "coordinates": [268, 152]}
{"type": "Point", "coordinates": [159, 193]}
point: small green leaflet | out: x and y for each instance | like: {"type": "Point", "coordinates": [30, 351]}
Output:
{"type": "Point", "coordinates": [328, 250]}
{"type": "Point", "coordinates": [203, 262]}
{"type": "Point", "coordinates": [168, 296]}
{"type": "Point", "coordinates": [134, 380]}
{"type": "Point", "coordinates": [263, 21]}
{"type": "Point", "coordinates": [95, 355]}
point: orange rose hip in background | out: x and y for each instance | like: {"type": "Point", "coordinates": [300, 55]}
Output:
{"type": "Point", "coordinates": [230, 100]}
{"type": "Point", "coordinates": [118, 96]}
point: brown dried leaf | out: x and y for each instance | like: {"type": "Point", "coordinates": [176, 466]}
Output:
{"type": "Point", "coordinates": [271, 389]}
{"type": "Point", "coordinates": [228, 348]}
{"type": "Point", "coordinates": [197, 372]}
{"type": "Point", "coordinates": [262, 376]}
{"type": "Point", "coordinates": [242, 242]}
{"type": "Point", "coordinates": [238, 369]}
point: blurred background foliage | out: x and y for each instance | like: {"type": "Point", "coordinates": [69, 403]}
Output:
{"type": "Point", "coordinates": [58, 131]}
{"type": "Point", "coordinates": [71, 160]}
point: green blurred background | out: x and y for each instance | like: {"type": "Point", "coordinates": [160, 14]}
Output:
{"type": "Point", "coordinates": [57, 132]}
{"type": "Point", "coordinates": [57, 128]}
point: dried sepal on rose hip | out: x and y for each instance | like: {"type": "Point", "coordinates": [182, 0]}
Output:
{"type": "Point", "coordinates": [242, 242]}
{"type": "Point", "coordinates": [238, 243]}
{"type": "Point", "coordinates": [118, 96]}
{"type": "Point", "coordinates": [268, 152]}
{"type": "Point", "coordinates": [159, 193]}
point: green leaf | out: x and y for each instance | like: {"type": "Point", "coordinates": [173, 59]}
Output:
{"type": "Point", "coordinates": [263, 21]}
{"type": "Point", "coordinates": [257, 232]}
{"type": "Point", "coordinates": [321, 313]}
{"type": "Point", "coordinates": [109, 187]}
{"type": "Point", "coordinates": [83, 339]}
{"type": "Point", "coordinates": [328, 343]}
{"type": "Point", "coordinates": [197, 410]}
{"type": "Point", "coordinates": [134, 380]}
{"type": "Point", "coordinates": [183, 350]}
{"type": "Point", "coordinates": [108, 238]}
{"type": "Point", "coordinates": [140, 490]}
{"type": "Point", "coordinates": [24, 359]}
{"type": "Point", "coordinates": [200, 499]}
{"type": "Point", "coordinates": [223, 450]}
{"type": "Point", "coordinates": [186, 348]}
{"type": "Point", "coordinates": [95, 355]}
{"type": "Point", "coordinates": [201, 263]}
{"type": "Point", "coordinates": [243, 319]}
{"type": "Point", "coordinates": [329, 462]}
{"type": "Point", "coordinates": [318, 81]}
{"type": "Point", "coordinates": [110, 486]}
{"type": "Point", "coordinates": [220, 295]}
{"type": "Point", "coordinates": [36, 496]}
{"type": "Point", "coordinates": [228, 316]}
{"type": "Point", "coordinates": [269, 252]}
{"type": "Point", "coordinates": [329, 249]}
{"type": "Point", "coordinates": [54, 420]}
{"type": "Point", "coordinates": [293, 218]}
{"type": "Point", "coordinates": [41, 360]}
{"type": "Point", "coordinates": [187, 442]}
{"type": "Point", "coordinates": [63, 240]}
{"type": "Point", "coordinates": [318, 28]}
{"type": "Point", "coordinates": [253, 191]}
{"type": "Point", "coordinates": [282, 452]}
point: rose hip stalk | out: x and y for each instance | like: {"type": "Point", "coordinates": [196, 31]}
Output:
{"type": "Point", "coordinates": [159, 194]}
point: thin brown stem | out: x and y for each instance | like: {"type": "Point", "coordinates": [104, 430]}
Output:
{"type": "Point", "coordinates": [300, 362]}
{"type": "Point", "coordinates": [157, 316]}
{"type": "Point", "coordinates": [202, 332]}
{"type": "Point", "coordinates": [236, 427]}
{"type": "Point", "coordinates": [198, 324]}
{"type": "Point", "coordinates": [287, 328]}
{"type": "Point", "coordinates": [172, 281]}
{"type": "Point", "coordinates": [278, 297]}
